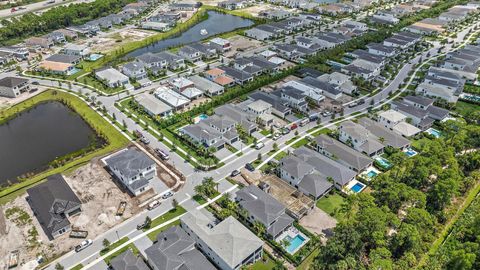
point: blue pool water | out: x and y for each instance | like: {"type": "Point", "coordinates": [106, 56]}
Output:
{"type": "Point", "coordinates": [357, 187]}
{"type": "Point", "coordinates": [94, 57]}
{"type": "Point", "coordinates": [435, 133]}
{"type": "Point", "coordinates": [371, 174]}
{"type": "Point", "coordinates": [294, 243]}
{"type": "Point", "coordinates": [203, 116]}
{"type": "Point", "coordinates": [383, 162]}
{"type": "Point", "coordinates": [73, 71]}
{"type": "Point", "coordinates": [410, 152]}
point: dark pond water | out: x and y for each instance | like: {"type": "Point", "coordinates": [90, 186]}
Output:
{"type": "Point", "coordinates": [216, 23]}
{"type": "Point", "coordinates": [29, 142]}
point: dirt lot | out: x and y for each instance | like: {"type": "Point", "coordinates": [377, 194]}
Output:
{"type": "Point", "coordinates": [117, 38]}
{"type": "Point", "coordinates": [241, 43]}
{"type": "Point", "coordinates": [258, 8]}
{"type": "Point", "coordinates": [100, 197]}
{"type": "Point", "coordinates": [317, 221]}
{"type": "Point", "coordinates": [277, 84]}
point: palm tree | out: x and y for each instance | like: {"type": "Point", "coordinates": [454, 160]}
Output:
{"type": "Point", "coordinates": [259, 228]}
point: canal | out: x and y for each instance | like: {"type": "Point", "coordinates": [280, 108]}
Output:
{"type": "Point", "coordinates": [30, 141]}
{"type": "Point", "coordinates": [216, 23]}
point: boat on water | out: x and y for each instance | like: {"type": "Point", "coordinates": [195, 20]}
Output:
{"type": "Point", "coordinates": [203, 32]}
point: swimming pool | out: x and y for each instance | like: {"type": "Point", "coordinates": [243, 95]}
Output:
{"type": "Point", "coordinates": [410, 152]}
{"type": "Point", "coordinates": [435, 133]}
{"type": "Point", "coordinates": [74, 70]}
{"type": "Point", "coordinates": [383, 163]}
{"type": "Point", "coordinates": [203, 116]}
{"type": "Point", "coordinates": [371, 174]}
{"type": "Point", "coordinates": [294, 243]}
{"type": "Point", "coordinates": [357, 187]}
{"type": "Point", "coordinates": [95, 56]}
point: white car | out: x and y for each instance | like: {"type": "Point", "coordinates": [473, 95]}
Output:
{"type": "Point", "coordinates": [153, 205]}
{"type": "Point", "coordinates": [259, 145]}
{"type": "Point", "coordinates": [167, 195]}
{"type": "Point", "coordinates": [83, 245]}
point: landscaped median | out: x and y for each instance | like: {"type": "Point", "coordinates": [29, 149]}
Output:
{"type": "Point", "coordinates": [173, 213]}
{"type": "Point", "coordinates": [114, 139]}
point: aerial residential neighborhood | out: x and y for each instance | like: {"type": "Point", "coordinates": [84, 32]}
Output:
{"type": "Point", "coordinates": [239, 134]}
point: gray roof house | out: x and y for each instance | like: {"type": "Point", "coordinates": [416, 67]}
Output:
{"type": "Point", "coordinates": [152, 105]}
{"type": "Point", "coordinates": [390, 138]}
{"type": "Point", "coordinates": [128, 261]}
{"type": "Point", "coordinates": [112, 78]}
{"type": "Point", "coordinates": [304, 176]}
{"type": "Point", "coordinates": [262, 207]}
{"type": "Point", "coordinates": [135, 70]}
{"type": "Point", "coordinates": [206, 86]}
{"type": "Point", "coordinates": [228, 243]}
{"type": "Point", "coordinates": [175, 250]}
{"type": "Point", "coordinates": [65, 58]}
{"type": "Point", "coordinates": [173, 61]}
{"type": "Point", "coordinates": [133, 168]}
{"type": "Point", "coordinates": [326, 166]}
{"type": "Point", "coordinates": [13, 86]}
{"type": "Point", "coordinates": [53, 202]}
{"type": "Point", "coordinates": [342, 153]}
{"type": "Point", "coordinates": [359, 138]}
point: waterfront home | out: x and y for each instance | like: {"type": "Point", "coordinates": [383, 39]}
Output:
{"type": "Point", "coordinates": [68, 34]}
{"type": "Point", "coordinates": [174, 249]}
{"type": "Point", "coordinates": [359, 138]}
{"type": "Point", "coordinates": [173, 61]}
{"type": "Point", "coordinates": [112, 78]}
{"type": "Point", "coordinates": [56, 37]}
{"type": "Point", "coordinates": [135, 70]}
{"type": "Point", "coordinates": [128, 261]}
{"type": "Point", "coordinates": [53, 202]}
{"type": "Point", "coordinates": [153, 106]}
{"type": "Point", "coordinates": [341, 153]}
{"type": "Point", "coordinates": [263, 208]}
{"type": "Point", "coordinates": [13, 86]}
{"type": "Point", "coordinates": [228, 244]}
{"type": "Point", "coordinates": [222, 45]}
{"type": "Point", "coordinates": [133, 169]}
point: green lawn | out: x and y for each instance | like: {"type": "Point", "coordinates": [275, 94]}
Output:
{"type": "Point", "coordinates": [266, 263]}
{"type": "Point", "coordinates": [465, 108]}
{"type": "Point", "coordinates": [320, 131]}
{"type": "Point", "coordinates": [291, 140]}
{"type": "Point", "coordinates": [199, 199]}
{"type": "Point", "coordinates": [113, 246]}
{"type": "Point", "coordinates": [330, 203]}
{"type": "Point", "coordinates": [114, 139]}
{"type": "Point", "coordinates": [300, 143]}
{"type": "Point", "coordinates": [265, 132]}
{"type": "Point", "coordinates": [281, 155]}
{"type": "Point", "coordinates": [167, 216]}
{"type": "Point", "coordinates": [77, 267]}
{"type": "Point", "coordinates": [153, 235]}
{"type": "Point", "coordinates": [92, 81]}
{"type": "Point", "coordinates": [130, 246]}
{"type": "Point", "coordinates": [309, 260]}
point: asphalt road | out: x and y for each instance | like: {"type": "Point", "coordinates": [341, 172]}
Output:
{"type": "Point", "coordinates": [128, 228]}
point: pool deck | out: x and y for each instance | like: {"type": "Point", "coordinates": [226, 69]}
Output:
{"type": "Point", "coordinates": [348, 188]}
{"type": "Point", "coordinates": [410, 150]}
{"type": "Point", "coordinates": [292, 232]}
{"type": "Point", "coordinates": [365, 176]}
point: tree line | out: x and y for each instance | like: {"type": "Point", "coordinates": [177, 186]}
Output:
{"type": "Point", "coordinates": [30, 24]}
{"type": "Point", "coordinates": [395, 224]}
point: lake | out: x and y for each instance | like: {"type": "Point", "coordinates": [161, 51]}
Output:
{"type": "Point", "coordinates": [34, 138]}
{"type": "Point", "coordinates": [216, 23]}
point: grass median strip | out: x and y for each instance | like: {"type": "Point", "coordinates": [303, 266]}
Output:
{"type": "Point", "coordinates": [173, 213]}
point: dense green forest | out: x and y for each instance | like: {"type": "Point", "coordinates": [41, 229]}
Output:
{"type": "Point", "coordinates": [395, 224]}
{"type": "Point", "coordinates": [461, 250]}
{"type": "Point", "coordinates": [55, 18]}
